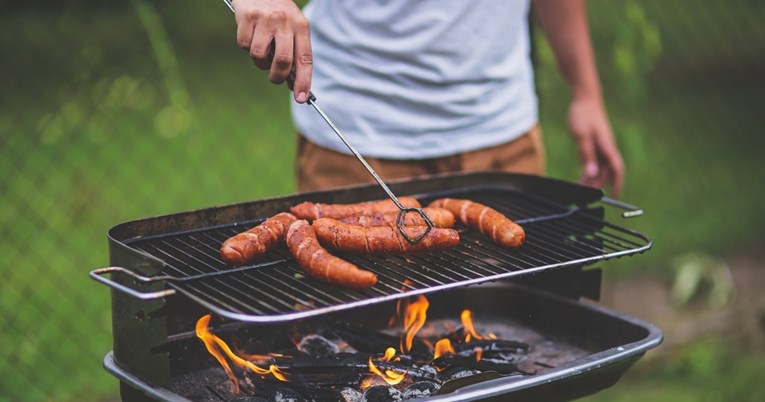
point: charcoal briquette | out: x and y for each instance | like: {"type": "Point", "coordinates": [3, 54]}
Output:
{"type": "Point", "coordinates": [381, 393]}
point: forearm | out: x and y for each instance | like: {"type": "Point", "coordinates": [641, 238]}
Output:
{"type": "Point", "coordinates": [564, 23]}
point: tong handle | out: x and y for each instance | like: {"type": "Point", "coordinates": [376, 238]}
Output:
{"type": "Point", "coordinates": [632, 211]}
{"type": "Point", "coordinates": [402, 210]}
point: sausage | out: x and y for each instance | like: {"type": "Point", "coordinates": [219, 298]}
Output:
{"type": "Point", "coordinates": [312, 211]}
{"type": "Point", "coordinates": [382, 239]}
{"type": "Point", "coordinates": [319, 264]}
{"type": "Point", "coordinates": [245, 246]}
{"type": "Point", "coordinates": [442, 218]}
{"type": "Point", "coordinates": [488, 221]}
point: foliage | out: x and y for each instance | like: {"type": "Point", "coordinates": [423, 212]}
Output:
{"type": "Point", "coordinates": [709, 370]}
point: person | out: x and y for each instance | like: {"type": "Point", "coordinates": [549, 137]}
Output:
{"type": "Point", "coordinates": [427, 86]}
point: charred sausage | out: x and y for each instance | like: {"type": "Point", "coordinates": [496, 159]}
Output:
{"type": "Point", "coordinates": [488, 221]}
{"type": "Point", "coordinates": [442, 218]}
{"type": "Point", "coordinates": [255, 242]}
{"type": "Point", "coordinates": [312, 211]}
{"type": "Point", "coordinates": [319, 264]}
{"type": "Point", "coordinates": [382, 239]}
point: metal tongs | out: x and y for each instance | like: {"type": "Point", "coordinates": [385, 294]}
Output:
{"type": "Point", "coordinates": [400, 220]}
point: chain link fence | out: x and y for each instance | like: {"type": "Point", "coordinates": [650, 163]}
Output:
{"type": "Point", "coordinates": [117, 111]}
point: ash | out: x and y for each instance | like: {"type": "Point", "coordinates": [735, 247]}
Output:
{"type": "Point", "coordinates": [317, 346]}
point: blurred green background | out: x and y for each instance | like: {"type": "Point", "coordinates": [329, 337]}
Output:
{"type": "Point", "coordinates": [113, 111]}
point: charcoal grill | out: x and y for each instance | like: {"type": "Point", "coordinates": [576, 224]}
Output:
{"type": "Point", "coordinates": [166, 272]}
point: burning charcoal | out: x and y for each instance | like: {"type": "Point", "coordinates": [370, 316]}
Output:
{"type": "Point", "coordinates": [489, 346]}
{"type": "Point", "coordinates": [453, 373]}
{"type": "Point", "coordinates": [381, 393]}
{"type": "Point", "coordinates": [501, 366]}
{"type": "Point", "coordinates": [420, 389]}
{"type": "Point", "coordinates": [317, 346]}
{"type": "Point", "coordinates": [344, 363]}
{"type": "Point", "coordinates": [350, 395]}
{"type": "Point", "coordinates": [369, 341]}
{"type": "Point", "coordinates": [286, 395]}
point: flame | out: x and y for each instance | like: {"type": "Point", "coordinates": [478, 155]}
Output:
{"type": "Point", "coordinates": [214, 345]}
{"type": "Point", "coordinates": [443, 347]}
{"type": "Point", "coordinates": [390, 376]}
{"type": "Point", "coordinates": [478, 354]}
{"type": "Point", "coordinates": [210, 344]}
{"type": "Point", "coordinates": [400, 304]}
{"type": "Point", "coordinates": [467, 324]}
{"type": "Point", "coordinates": [390, 353]}
{"type": "Point", "coordinates": [365, 383]}
{"type": "Point", "coordinates": [414, 318]}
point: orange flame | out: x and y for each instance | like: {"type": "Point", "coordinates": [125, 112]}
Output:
{"type": "Point", "coordinates": [467, 324]}
{"type": "Point", "coordinates": [390, 376]}
{"type": "Point", "coordinates": [210, 344]}
{"type": "Point", "coordinates": [443, 347]}
{"type": "Point", "coordinates": [414, 318]}
{"type": "Point", "coordinates": [478, 354]}
{"type": "Point", "coordinates": [214, 345]}
{"type": "Point", "coordinates": [400, 304]}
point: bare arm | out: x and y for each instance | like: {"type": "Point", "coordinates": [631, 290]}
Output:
{"type": "Point", "coordinates": [565, 25]}
{"type": "Point", "coordinates": [277, 35]}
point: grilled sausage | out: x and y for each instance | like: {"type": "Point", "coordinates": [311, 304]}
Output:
{"type": "Point", "coordinates": [442, 218]}
{"type": "Point", "coordinates": [312, 211]}
{"type": "Point", "coordinates": [488, 221]}
{"type": "Point", "coordinates": [255, 242]}
{"type": "Point", "coordinates": [319, 264]}
{"type": "Point", "coordinates": [382, 239]}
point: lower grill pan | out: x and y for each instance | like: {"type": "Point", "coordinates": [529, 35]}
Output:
{"type": "Point", "coordinates": [587, 347]}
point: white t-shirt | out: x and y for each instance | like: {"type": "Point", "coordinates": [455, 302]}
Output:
{"type": "Point", "coordinates": [413, 79]}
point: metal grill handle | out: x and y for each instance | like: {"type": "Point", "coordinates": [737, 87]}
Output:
{"type": "Point", "coordinates": [97, 274]}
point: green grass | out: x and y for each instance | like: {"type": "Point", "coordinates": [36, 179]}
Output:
{"type": "Point", "coordinates": [709, 370]}
{"type": "Point", "coordinates": [108, 117]}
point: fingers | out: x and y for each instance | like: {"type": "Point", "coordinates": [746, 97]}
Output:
{"type": "Point", "coordinates": [282, 57]}
{"type": "Point", "coordinates": [616, 169]}
{"type": "Point", "coordinates": [587, 156]}
{"type": "Point", "coordinates": [606, 167]}
{"type": "Point", "coordinates": [303, 62]}
{"type": "Point", "coordinates": [601, 161]}
{"type": "Point", "coordinates": [261, 47]}
{"type": "Point", "coordinates": [277, 36]}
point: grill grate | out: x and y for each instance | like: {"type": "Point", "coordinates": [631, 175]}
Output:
{"type": "Point", "coordinates": [274, 288]}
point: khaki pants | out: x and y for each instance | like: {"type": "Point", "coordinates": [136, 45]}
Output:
{"type": "Point", "coordinates": [320, 168]}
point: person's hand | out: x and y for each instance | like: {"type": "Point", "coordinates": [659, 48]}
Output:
{"type": "Point", "coordinates": [601, 161]}
{"type": "Point", "coordinates": [278, 38]}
